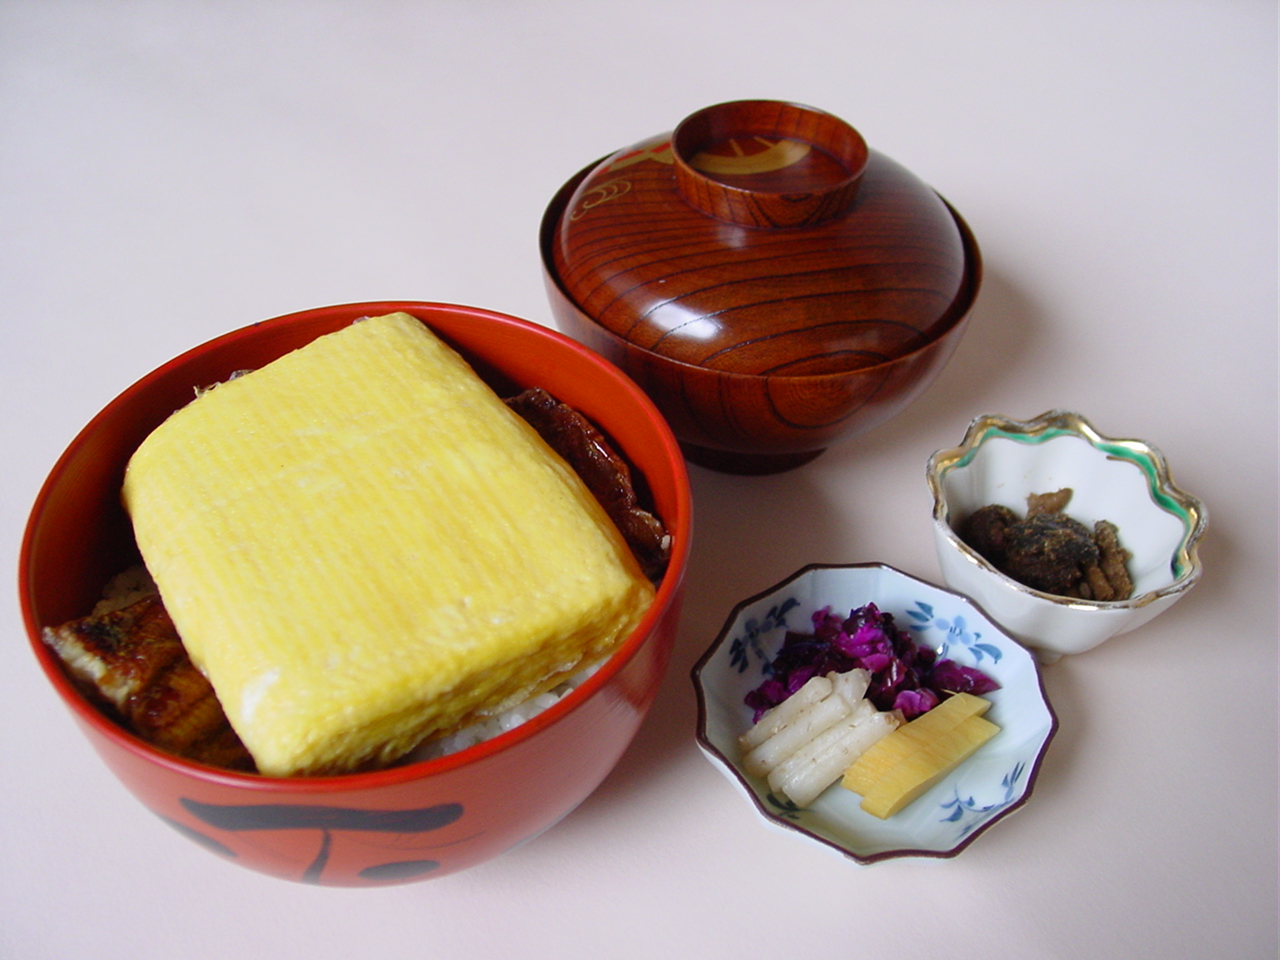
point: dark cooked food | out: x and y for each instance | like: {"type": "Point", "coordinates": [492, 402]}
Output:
{"type": "Point", "coordinates": [607, 475]}
{"type": "Point", "coordinates": [132, 662]}
{"type": "Point", "coordinates": [1055, 502]}
{"type": "Point", "coordinates": [1113, 564]}
{"type": "Point", "coordinates": [1050, 551]}
{"type": "Point", "coordinates": [986, 530]}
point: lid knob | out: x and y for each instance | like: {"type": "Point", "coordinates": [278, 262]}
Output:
{"type": "Point", "coordinates": [763, 163]}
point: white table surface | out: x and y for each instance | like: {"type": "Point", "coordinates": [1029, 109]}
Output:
{"type": "Point", "coordinates": [170, 171]}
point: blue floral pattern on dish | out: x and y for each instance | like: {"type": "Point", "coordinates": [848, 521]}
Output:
{"type": "Point", "coordinates": [785, 807]}
{"type": "Point", "coordinates": [967, 812]}
{"type": "Point", "coordinates": [965, 802]}
{"type": "Point", "coordinates": [955, 630]}
{"type": "Point", "coordinates": [749, 642]}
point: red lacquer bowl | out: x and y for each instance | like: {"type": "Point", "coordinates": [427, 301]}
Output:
{"type": "Point", "coordinates": [402, 824]}
{"type": "Point", "coordinates": [774, 284]}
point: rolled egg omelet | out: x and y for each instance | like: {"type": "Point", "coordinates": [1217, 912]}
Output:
{"type": "Point", "coordinates": [361, 546]}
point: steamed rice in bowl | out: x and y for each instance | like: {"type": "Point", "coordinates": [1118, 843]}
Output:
{"type": "Point", "coordinates": [500, 723]}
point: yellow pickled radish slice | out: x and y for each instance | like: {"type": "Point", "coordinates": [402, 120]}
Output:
{"type": "Point", "coordinates": [924, 767]}
{"type": "Point", "coordinates": [924, 729]}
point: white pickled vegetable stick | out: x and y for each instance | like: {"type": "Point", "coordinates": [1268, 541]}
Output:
{"type": "Point", "coordinates": [822, 761]}
{"type": "Point", "coordinates": [812, 760]}
{"type": "Point", "coordinates": [817, 688]}
{"type": "Point", "coordinates": [785, 742]}
{"type": "Point", "coordinates": [852, 684]}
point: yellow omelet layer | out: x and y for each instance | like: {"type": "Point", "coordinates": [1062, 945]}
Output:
{"type": "Point", "coordinates": [361, 546]}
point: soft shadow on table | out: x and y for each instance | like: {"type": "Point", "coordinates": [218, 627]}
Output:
{"type": "Point", "coordinates": [1065, 681]}
{"type": "Point", "coordinates": [750, 532]}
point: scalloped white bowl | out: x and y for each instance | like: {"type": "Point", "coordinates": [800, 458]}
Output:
{"type": "Point", "coordinates": [987, 787]}
{"type": "Point", "coordinates": [1125, 481]}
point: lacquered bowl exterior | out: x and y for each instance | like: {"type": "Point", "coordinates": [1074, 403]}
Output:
{"type": "Point", "coordinates": [777, 419]}
{"type": "Point", "coordinates": [759, 423]}
{"type": "Point", "coordinates": [407, 823]}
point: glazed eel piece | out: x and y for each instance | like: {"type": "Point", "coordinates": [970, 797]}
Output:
{"type": "Point", "coordinates": [131, 661]}
{"type": "Point", "coordinates": [605, 472]}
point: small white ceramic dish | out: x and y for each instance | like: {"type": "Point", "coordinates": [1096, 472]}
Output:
{"type": "Point", "coordinates": [987, 787]}
{"type": "Point", "coordinates": [1127, 482]}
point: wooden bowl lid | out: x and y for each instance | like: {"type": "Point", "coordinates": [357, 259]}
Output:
{"type": "Point", "coordinates": [763, 238]}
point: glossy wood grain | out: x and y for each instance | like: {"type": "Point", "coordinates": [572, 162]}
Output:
{"type": "Point", "coordinates": [812, 187]}
{"type": "Point", "coordinates": [772, 283]}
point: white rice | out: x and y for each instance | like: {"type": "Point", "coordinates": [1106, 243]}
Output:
{"type": "Point", "coordinates": [125, 588]}
{"type": "Point", "coordinates": [498, 724]}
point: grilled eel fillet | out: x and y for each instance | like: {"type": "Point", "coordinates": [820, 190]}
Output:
{"type": "Point", "coordinates": [132, 660]}
{"type": "Point", "coordinates": [606, 474]}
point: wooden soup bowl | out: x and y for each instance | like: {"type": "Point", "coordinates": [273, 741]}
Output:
{"type": "Point", "coordinates": [773, 284]}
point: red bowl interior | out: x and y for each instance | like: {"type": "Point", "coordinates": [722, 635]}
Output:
{"type": "Point", "coordinates": [408, 822]}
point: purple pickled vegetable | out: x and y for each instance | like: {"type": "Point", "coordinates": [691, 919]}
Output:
{"type": "Point", "coordinates": [904, 676]}
{"type": "Point", "coordinates": [951, 676]}
{"type": "Point", "coordinates": [912, 703]}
